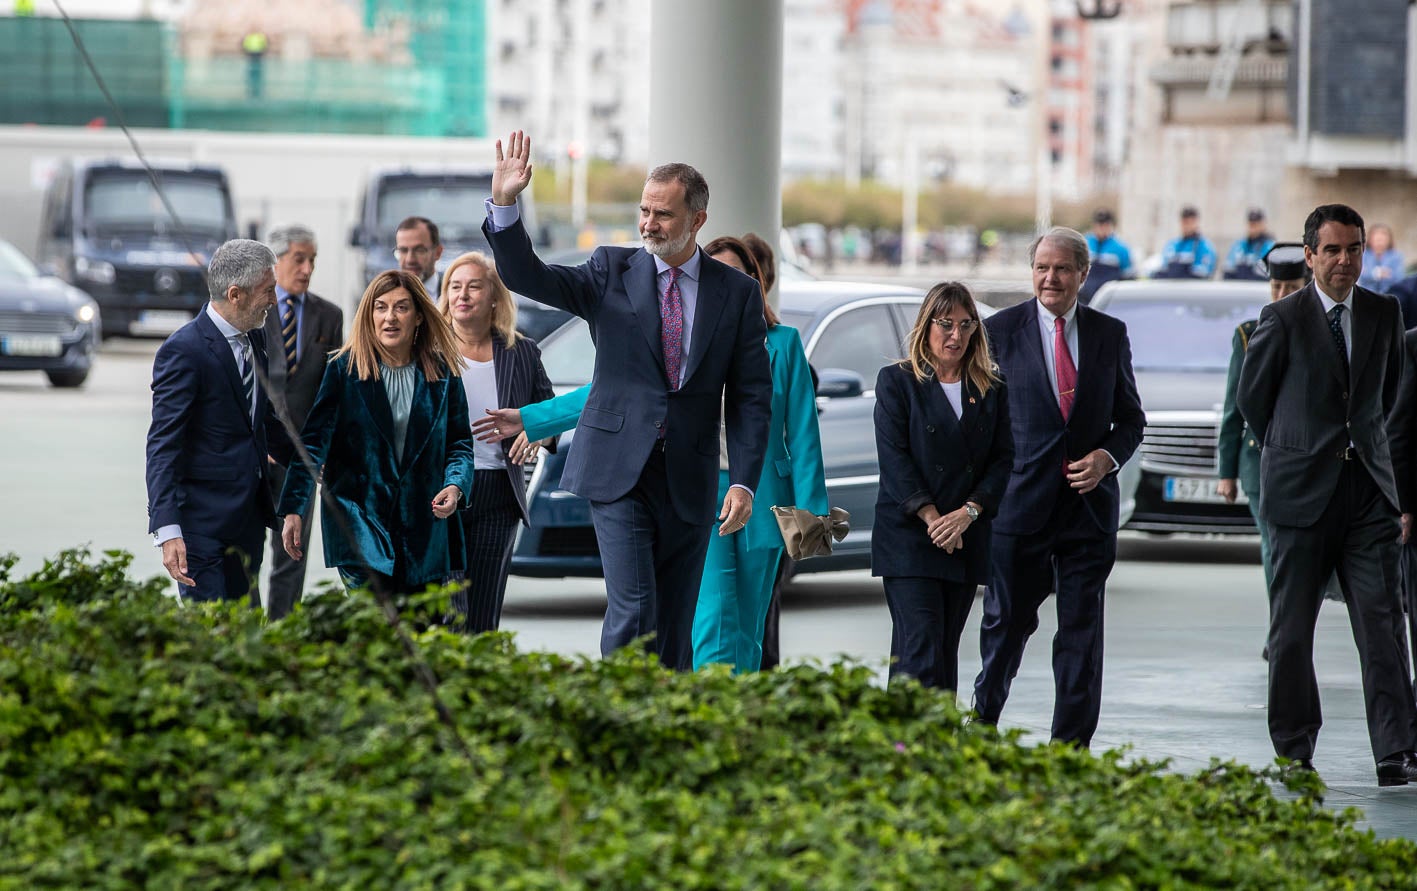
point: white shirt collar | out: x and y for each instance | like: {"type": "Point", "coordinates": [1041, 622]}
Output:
{"type": "Point", "coordinates": [690, 269]}
{"type": "Point", "coordinates": [1046, 317]}
{"type": "Point", "coordinates": [226, 328]}
{"type": "Point", "coordinates": [1329, 303]}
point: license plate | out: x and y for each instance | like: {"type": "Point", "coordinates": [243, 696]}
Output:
{"type": "Point", "coordinates": [160, 321]}
{"type": "Point", "coordinates": [1196, 490]}
{"type": "Point", "coordinates": [31, 345]}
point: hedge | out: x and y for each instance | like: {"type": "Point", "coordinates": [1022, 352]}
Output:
{"type": "Point", "coordinates": [148, 745]}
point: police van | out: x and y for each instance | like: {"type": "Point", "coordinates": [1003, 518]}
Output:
{"type": "Point", "coordinates": [107, 230]}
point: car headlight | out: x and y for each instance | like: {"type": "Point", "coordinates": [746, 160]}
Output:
{"type": "Point", "coordinates": [84, 313]}
{"type": "Point", "coordinates": [100, 271]}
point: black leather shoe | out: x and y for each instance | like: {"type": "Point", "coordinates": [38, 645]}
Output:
{"type": "Point", "coordinates": [1397, 769]}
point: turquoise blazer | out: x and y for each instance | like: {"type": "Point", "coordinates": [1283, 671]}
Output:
{"type": "Point", "coordinates": [387, 504]}
{"type": "Point", "coordinates": [793, 474]}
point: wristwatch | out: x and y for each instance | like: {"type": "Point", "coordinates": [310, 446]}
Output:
{"type": "Point", "coordinates": [972, 511]}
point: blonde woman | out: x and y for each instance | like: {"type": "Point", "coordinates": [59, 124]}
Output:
{"type": "Point", "coordinates": [945, 450]}
{"type": "Point", "coordinates": [390, 433]}
{"type": "Point", "coordinates": [499, 369]}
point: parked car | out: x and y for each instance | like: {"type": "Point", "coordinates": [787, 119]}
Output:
{"type": "Point", "coordinates": [849, 331]}
{"type": "Point", "coordinates": [1181, 340]}
{"type": "Point", "coordinates": [106, 229]}
{"type": "Point", "coordinates": [45, 324]}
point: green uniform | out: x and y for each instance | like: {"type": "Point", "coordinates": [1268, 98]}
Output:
{"type": "Point", "coordinates": [1239, 448]}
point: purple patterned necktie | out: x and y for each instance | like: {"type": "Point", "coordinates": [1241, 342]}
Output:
{"type": "Point", "coordinates": [671, 316]}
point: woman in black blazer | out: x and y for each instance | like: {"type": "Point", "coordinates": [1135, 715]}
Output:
{"type": "Point", "coordinates": [945, 450]}
{"type": "Point", "coordinates": [500, 369]}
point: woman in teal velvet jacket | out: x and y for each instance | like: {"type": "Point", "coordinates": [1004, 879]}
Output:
{"type": "Point", "coordinates": [741, 567]}
{"type": "Point", "coordinates": [389, 431]}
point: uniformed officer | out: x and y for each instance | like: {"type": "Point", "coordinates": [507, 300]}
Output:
{"type": "Point", "coordinates": [1239, 448]}
{"type": "Point", "coordinates": [1190, 255]}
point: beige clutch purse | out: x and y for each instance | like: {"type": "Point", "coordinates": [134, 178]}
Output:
{"type": "Point", "coordinates": [807, 535]}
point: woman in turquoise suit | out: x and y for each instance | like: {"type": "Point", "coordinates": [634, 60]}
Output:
{"type": "Point", "coordinates": [741, 566]}
{"type": "Point", "coordinates": [389, 433]}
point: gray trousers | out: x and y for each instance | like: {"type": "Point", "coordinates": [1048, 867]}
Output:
{"type": "Point", "coordinates": [287, 575]}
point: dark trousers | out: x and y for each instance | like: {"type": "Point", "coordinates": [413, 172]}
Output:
{"type": "Point", "coordinates": [653, 563]}
{"type": "Point", "coordinates": [1357, 536]}
{"type": "Point", "coordinates": [772, 637]}
{"type": "Point", "coordinates": [225, 570]}
{"type": "Point", "coordinates": [1070, 557]}
{"type": "Point", "coordinates": [927, 618]}
{"type": "Point", "coordinates": [287, 583]}
{"type": "Point", "coordinates": [489, 527]}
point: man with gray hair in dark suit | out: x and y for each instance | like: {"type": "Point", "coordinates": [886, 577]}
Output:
{"type": "Point", "coordinates": [300, 333]}
{"type": "Point", "coordinates": [1318, 387]}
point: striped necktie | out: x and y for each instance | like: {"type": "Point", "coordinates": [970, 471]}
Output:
{"type": "Point", "coordinates": [288, 330]}
{"type": "Point", "coordinates": [248, 372]}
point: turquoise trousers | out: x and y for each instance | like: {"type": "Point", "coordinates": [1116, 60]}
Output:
{"type": "Point", "coordinates": [734, 597]}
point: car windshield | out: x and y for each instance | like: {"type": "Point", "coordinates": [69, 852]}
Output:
{"type": "Point", "coordinates": [568, 354]}
{"type": "Point", "coordinates": [127, 199]}
{"type": "Point", "coordinates": [15, 266]}
{"type": "Point", "coordinates": [455, 205]}
{"type": "Point", "coordinates": [1182, 334]}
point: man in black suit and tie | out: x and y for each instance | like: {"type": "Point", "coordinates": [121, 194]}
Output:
{"type": "Point", "coordinates": [678, 348]}
{"type": "Point", "coordinates": [1076, 419]}
{"type": "Point", "coordinates": [300, 333]}
{"type": "Point", "coordinates": [1318, 385]}
{"type": "Point", "coordinates": [208, 502]}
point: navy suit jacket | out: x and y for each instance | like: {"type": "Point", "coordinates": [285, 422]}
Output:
{"type": "Point", "coordinates": [206, 460]}
{"type": "Point", "coordinates": [1106, 414]}
{"type": "Point", "coordinates": [630, 404]}
{"type": "Point", "coordinates": [928, 455]}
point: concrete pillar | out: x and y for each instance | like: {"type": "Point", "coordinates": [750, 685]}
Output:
{"type": "Point", "coordinates": [715, 72]}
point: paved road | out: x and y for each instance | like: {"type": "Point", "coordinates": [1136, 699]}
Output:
{"type": "Point", "coordinates": [1185, 620]}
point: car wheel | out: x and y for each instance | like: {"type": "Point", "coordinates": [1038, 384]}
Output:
{"type": "Point", "coordinates": [68, 379]}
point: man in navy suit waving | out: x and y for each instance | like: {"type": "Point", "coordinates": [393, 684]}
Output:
{"type": "Point", "coordinates": [1076, 419]}
{"type": "Point", "coordinates": [678, 348]}
{"type": "Point", "coordinates": [208, 502]}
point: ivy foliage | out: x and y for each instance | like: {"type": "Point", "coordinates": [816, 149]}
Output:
{"type": "Point", "coordinates": [143, 744]}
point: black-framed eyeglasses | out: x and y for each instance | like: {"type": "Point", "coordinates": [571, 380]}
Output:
{"type": "Point", "coordinates": [948, 325]}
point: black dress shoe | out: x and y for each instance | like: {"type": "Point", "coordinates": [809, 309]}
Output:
{"type": "Point", "coordinates": [1397, 769]}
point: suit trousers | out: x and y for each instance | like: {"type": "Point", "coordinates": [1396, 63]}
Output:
{"type": "Point", "coordinates": [1068, 556]}
{"type": "Point", "coordinates": [287, 583]}
{"type": "Point", "coordinates": [489, 528]}
{"type": "Point", "coordinates": [225, 570]}
{"type": "Point", "coordinates": [733, 598]}
{"type": "Point", "coordinates": [1356, 535]}
{"type": "Point", "coordinates": [653, 563]}
{"type": "Point", "coordinates": [927, 619]}
{"type": "Point", "coordinates": [772, 631]}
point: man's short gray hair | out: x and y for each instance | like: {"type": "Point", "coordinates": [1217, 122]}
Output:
{"type": "Point", "coordinates": [1068, 239]}
{"type": "Point", "coordinates": [240, 262]}
{"type": "Point", "coordinates": [696, 191]}
{"type": "Point", "coordinates": [282, 237]}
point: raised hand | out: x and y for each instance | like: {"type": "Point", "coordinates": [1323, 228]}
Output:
{"type": "Point", "coordinates": [512, 173]}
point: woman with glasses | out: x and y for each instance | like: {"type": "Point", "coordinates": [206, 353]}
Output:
{"type": "Point", "coordinates": [945, 451]}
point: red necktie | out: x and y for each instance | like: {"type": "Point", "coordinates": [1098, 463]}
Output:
{"type": "Point", "coordinates": [671, 315]}
{"type": "Point", "coordinates": [1067, 371]}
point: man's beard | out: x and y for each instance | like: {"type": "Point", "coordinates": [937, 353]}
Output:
{"type": "Point", "coordinates": [665, 249]}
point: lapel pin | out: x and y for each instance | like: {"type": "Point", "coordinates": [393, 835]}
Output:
{"type": "Point", "coordinates": [971, 400]}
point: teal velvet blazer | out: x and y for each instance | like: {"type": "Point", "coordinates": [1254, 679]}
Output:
{"type": "Point", "coordinates": [386, 503]}
{"type": "Point", "coordinates": [793, 475]}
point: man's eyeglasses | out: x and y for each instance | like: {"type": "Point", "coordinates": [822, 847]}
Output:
{"type": "Point", "coordinates": [420, 252]}
{"type": "Point", "coordinates": [948, 325]}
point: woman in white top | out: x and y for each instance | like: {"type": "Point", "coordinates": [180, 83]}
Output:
{"type": "Point", "coordinates": [500, 369]}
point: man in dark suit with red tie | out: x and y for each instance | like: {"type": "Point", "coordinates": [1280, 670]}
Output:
{"type": "Point", "coordinates": [301, 333]}
{"type": "Point", "coordinates": [1076, 419]}
{"type": "Point", "coordinates": [1318, 388]}
{"type": "Point", "coordinates": [208, 502]}
{"type": "Point", "coordinates": [678, 349]}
